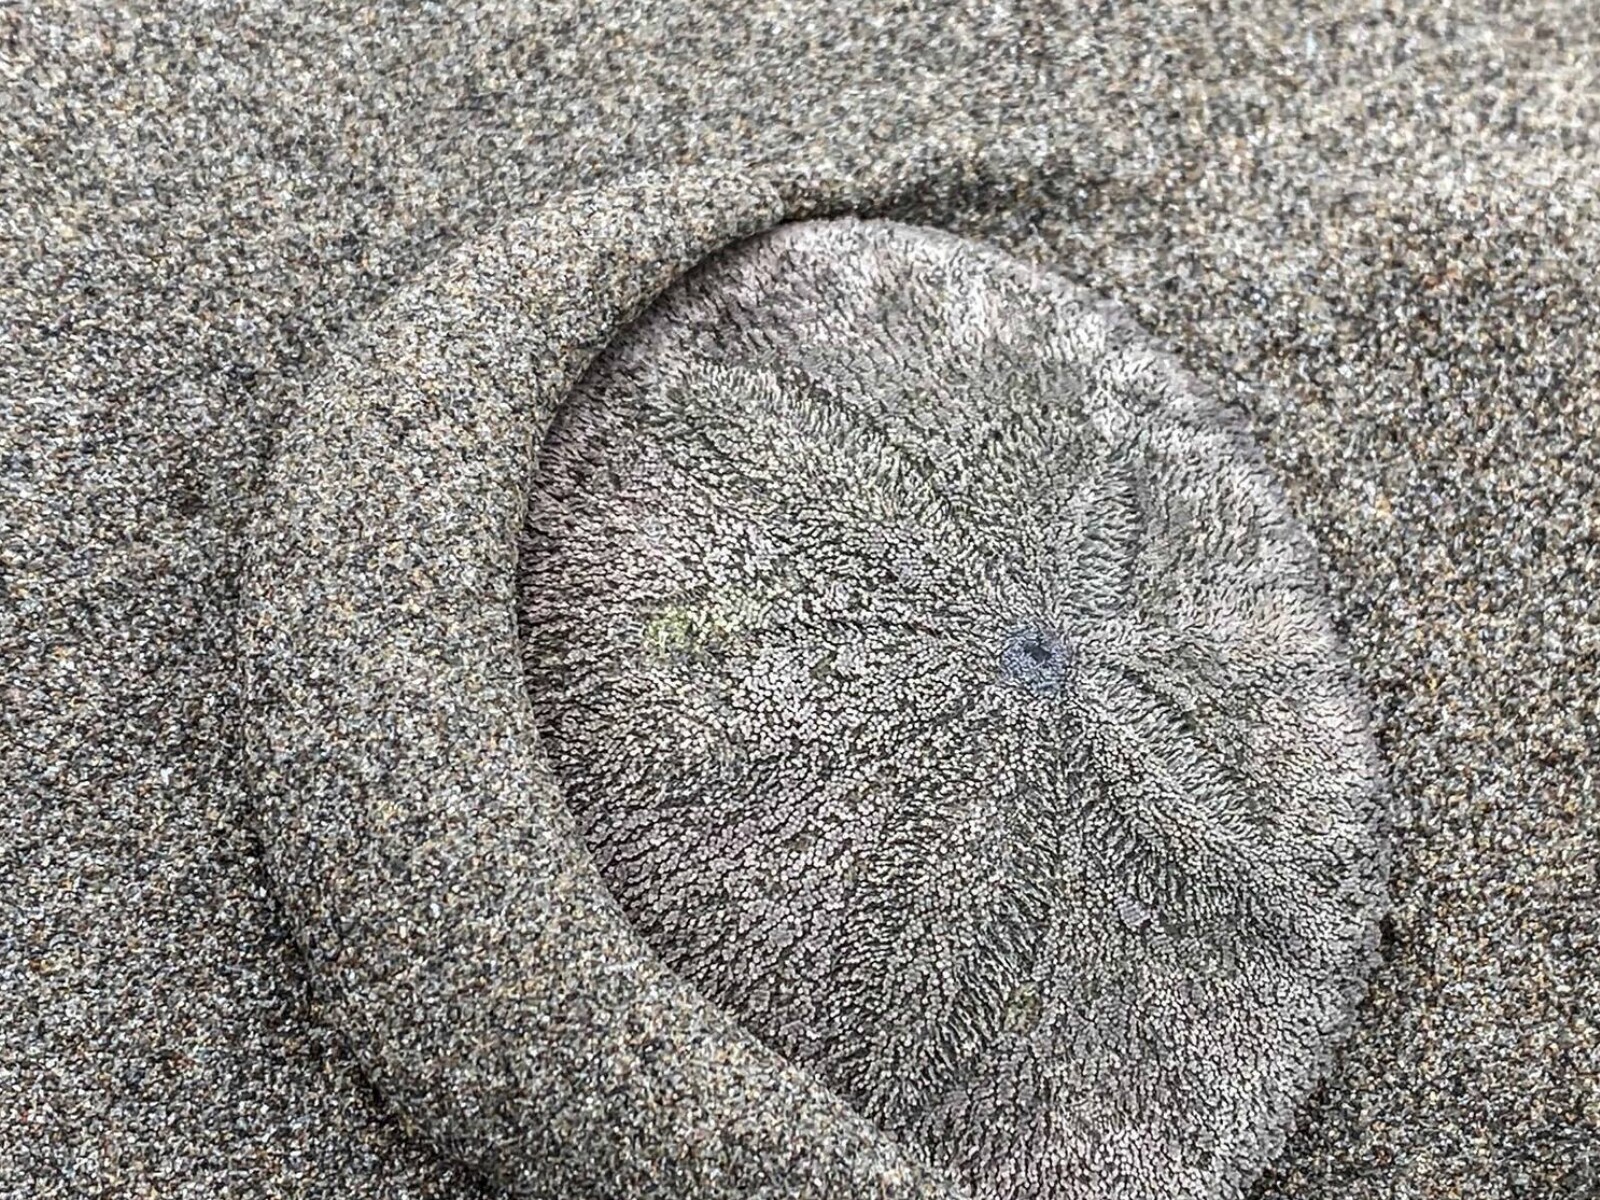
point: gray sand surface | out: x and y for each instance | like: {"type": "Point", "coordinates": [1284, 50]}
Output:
{"type": "Point", "coordinates": [1373, 230]}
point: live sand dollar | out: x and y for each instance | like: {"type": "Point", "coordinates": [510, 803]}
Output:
{"type": "Point", "coordinates": [946, 689]}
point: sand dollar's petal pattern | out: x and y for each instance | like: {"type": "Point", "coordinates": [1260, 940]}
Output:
{"type": "Point", "coordinates": [948, 692]}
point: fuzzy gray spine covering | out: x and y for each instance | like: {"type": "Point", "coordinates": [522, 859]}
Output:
{"type": "Point", "coordinates": [947, 691]}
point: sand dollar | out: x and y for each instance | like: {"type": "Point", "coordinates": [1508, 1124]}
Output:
{"type": "Point", "coordinates": [945, 688]}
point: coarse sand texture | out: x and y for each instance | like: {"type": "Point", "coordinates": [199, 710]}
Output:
{"type": "Point", "coordinates": [799, 600]}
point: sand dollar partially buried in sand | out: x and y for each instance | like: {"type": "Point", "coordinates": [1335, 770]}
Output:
{"type": "Point", "coordinates": [945, 689]}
